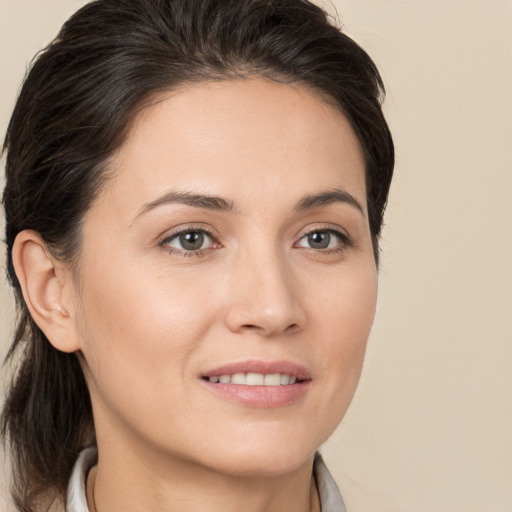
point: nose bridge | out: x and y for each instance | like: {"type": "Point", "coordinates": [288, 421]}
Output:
{"type": "Point", "coordinates": [264, 293]}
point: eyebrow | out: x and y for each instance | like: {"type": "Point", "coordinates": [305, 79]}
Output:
{"type": "Point", "coordinates": [216, 203]}
{"type": "Point", "coordinates": [325, 198]}
{"type": "Point", "coordinates": [197, 200]}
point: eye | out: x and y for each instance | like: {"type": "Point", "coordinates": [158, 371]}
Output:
{"type": "Point", "coordinates": [323, 239]}
{"type": "Point", "coordinates": [191, 240]}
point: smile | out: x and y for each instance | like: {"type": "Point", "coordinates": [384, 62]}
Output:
{"type": "Point", "coordinates": [255, 379]}
{"type": "Point", "coordinates": [259, 384]}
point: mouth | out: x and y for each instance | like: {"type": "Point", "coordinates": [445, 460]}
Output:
{"type": "Point", "coordinates": [255, 379]}
{"type": "Point", "coordinates": [259, 384]}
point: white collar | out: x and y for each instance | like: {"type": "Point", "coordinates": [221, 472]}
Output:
{"type": "Point", "coordinates": [330, 497]}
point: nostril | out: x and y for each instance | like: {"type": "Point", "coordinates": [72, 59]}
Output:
{"type": "Point", "coordinates": [251, 327]}
{"type": "Point", "coordinates": [292, 328]}
{"type": "Point", "coordinates": [261, 329]}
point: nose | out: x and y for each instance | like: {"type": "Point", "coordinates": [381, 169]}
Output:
{"type": "Point", "coordinates": [265, 298]}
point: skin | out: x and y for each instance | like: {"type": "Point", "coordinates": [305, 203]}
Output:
{"type": "Point", "coordinates": [149, 319]}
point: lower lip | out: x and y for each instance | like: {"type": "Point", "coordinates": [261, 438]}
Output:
{"type": "Point", "coordinates": [264, 397]}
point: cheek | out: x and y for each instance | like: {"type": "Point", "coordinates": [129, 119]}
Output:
{"type": "Point", "coordinates": [354, 318]}
{"type": "Point", "coordinates": [136, 322]}
{"type": "Point", "coordinates": [345, 317]}
{"type": "Point", "coordinates": [126, 297]}
{"type": "Point", "coordinates": [345, 304]}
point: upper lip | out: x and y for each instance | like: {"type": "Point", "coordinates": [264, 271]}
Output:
{"type": "Point", "coordinates": [258, 366]}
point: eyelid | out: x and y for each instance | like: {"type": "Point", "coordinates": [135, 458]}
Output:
{"type": "Point", "coordinates": [333, 228]}
{"type": "Point", "coordinates": [186, 228]}
{"type": "Point", "coordinates": [345, 238]}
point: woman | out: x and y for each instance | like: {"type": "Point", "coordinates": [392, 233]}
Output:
{"type": "Point", "coordinates": [194, 197]}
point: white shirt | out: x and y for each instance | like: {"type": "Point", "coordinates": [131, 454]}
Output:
{"type": "Point", "coordinates": [330, 497]}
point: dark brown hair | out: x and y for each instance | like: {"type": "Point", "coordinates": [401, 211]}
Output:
{"type": "Point", "coordinates": [74, 111]}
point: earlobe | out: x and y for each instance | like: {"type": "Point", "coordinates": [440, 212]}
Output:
{"type": "Point", "coordinates": [45, 284]}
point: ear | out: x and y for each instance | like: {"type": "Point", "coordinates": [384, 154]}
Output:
{"type": "Point", "coordinates": [48, 290]}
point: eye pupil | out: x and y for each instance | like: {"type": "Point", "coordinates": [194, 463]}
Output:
{"type": "Point", "coordinates": [192, 240]}
{"type": "Point", "coordinates": [319, 239]}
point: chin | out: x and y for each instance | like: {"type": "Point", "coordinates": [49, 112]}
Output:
{"type": "Point", "coordinates": [268, 465]}
{"type": "Point", "coordinates": [263, 456]}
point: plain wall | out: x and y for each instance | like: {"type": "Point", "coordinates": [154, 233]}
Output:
{"type": "Point", "coordinates": [430, 428]}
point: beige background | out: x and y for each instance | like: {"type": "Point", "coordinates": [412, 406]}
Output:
{"type": "Point", "coordinates": [430, 428]}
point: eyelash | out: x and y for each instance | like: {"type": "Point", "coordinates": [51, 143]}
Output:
{"type": "Point", "coordinates": [182, 252]}
{"type": "Point", "coordinates": [344, 241]}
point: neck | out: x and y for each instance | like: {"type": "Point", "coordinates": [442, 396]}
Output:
{"type": "Point", "coordinates": [125, 487]}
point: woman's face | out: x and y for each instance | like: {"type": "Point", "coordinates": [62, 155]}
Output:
{"type": "Point", "coordinates": [232, 245]}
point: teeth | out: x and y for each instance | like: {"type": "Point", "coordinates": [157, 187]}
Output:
{"type": "Point", "coordinates": [238, 378]}
{"type": "Point", "coordinates": [272, 379]}
{"type": "Point", "coordinates": [255, 379]}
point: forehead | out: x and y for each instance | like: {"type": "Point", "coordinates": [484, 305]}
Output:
{"type": "Point", "coordinates": [233, 138]}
